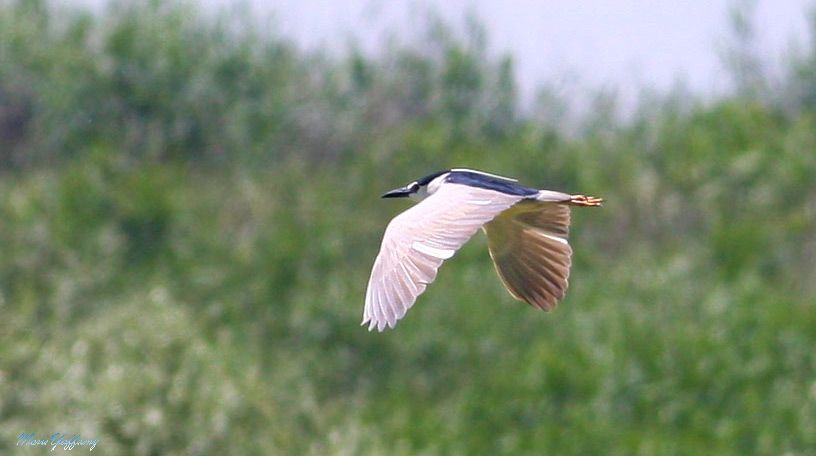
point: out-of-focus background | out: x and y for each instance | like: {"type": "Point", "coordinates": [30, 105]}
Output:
{"type": "Point", "coordinates": [189, 212]}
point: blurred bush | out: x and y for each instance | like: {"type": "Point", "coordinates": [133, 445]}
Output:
{"type": "Point", "coordinates": [189, 212]}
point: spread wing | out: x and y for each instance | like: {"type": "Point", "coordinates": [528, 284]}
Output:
{"type": "Point", "coordinates": [419, 240]}
{"type": "Point", "coordinates": [528, 244]}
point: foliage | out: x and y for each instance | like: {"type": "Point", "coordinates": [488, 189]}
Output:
{"type": "Point", "coordinates": [189, 212]}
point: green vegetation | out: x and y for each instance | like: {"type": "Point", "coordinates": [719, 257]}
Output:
{"type": "Point", "coordinates": [189, 213]}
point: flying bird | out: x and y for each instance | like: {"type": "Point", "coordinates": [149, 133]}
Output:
{"type": "Point", "coordinates": [526, 231]}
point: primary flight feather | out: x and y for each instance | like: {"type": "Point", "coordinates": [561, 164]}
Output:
{"type": "Point", "coordinates": [526, 229]}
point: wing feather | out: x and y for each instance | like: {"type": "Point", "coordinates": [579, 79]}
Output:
{"type": "Point", "coordinates": [419, 240]}
{"type": "Point", "coordinates": [529, 247]}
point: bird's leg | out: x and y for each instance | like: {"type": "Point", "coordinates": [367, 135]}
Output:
{"type": "Point", "coordinates": [583, 200]}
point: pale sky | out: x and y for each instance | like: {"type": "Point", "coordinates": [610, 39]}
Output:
{"type": "Point", "coordinates": [612, 43]}
{"type": "Point", "coordinates": [619, 43]}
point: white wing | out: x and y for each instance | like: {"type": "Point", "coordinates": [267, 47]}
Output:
{"type": "Point", "coordinates": [528, 244]}
{"type": "Point", "coordinates": [417, 241]}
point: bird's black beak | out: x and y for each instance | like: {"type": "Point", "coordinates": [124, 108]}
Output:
{"type": "Point", "coordinates": [401, 192]}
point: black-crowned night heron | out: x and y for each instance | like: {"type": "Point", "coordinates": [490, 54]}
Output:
{"type": "Point", "coordinates": [526, 231]}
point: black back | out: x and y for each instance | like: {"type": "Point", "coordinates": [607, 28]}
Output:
{"type": "Point", "coordinates": [489, 182]}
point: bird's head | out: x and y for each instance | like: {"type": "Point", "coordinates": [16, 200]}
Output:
{"type": "Point", "coordinates": [420, 188]}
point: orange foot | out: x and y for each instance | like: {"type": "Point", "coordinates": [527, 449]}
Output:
{"type": "Point", "coordinates": [583, 200]}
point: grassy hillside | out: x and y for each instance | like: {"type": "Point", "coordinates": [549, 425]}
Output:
{"type": "Point", "coordinates": [189, 212]}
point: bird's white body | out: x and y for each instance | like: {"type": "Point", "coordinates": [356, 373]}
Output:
{"type": "Point", "coordinates": [527, 233]}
